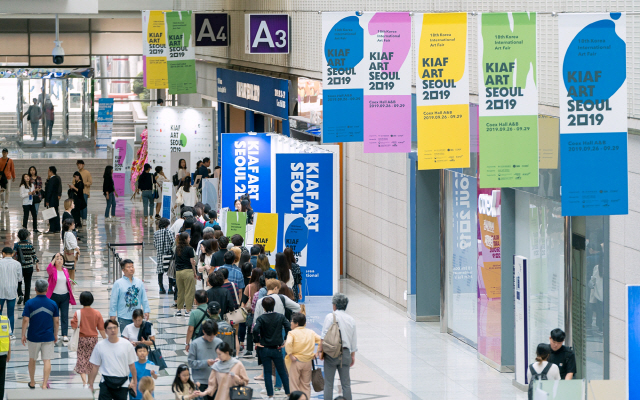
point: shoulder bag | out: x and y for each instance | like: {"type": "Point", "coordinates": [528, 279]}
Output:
{"type": "Point", "coordinates": [75, 338]}
{"type": "Point", "coordinates": [155, 356]}
{"type": "Point", "coordinates": [69, 254]}
{"type": "Point", "coordinates": [3, 177]}
{"type": "Point", "coordinates": [239, 315]}
{"type": "Point", "coordinates": [18, 256]}
{"type": "Point", "coordinates": [168, 255]}
{"type": "Point", "coordinates": [317, 380]}
{"type": "Point", "coordinates": [171, 272]}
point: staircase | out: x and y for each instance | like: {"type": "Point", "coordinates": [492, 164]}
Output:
{"type": "Point", "coordinates": [123, 130]}
{"type": "Point", "coordinates": [66, 167]}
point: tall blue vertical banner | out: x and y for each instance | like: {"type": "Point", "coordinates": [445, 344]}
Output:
{"type": "Point", "coordinates": [343, 77]}
{"type": "Point", "coordinates": [246, 169]}
{"type": "Point", "coordinates": [304, 185]}
{"type": "Point", "coordinates": [593, 114]}
{"type": "Point", "coordinates": [633, 342]}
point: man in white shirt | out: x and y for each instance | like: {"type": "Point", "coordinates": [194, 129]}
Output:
{"type": "Point", "coordinates": [175, 228]}
{"type": "Point", "coordinates": [114, 358]}
{"type": "Point", "coordinates": [342, 364]}
{"type": "Point", "coordinates": [10, 275]}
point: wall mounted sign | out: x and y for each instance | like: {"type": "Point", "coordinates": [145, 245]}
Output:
{"type": "Point", "coordinates": [255, 92]}
{"type": "Point", "coordinates": [212, 30]}
{"type": "Point", "coordinates": [266, 33]}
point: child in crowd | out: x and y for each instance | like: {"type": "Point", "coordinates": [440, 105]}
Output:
{"type": "Point", "coordinates": [213, 219]}
{"type": "Point", "coordinates": [146, 387]}
{"type": "Point", "coordinates": [183, 387]}
{"type": "Point", "coordinates": [142, 351]}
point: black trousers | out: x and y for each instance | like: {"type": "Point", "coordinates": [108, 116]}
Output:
{"type": "Point", "coordinates": [54, 223]}
{"type": "Point", "coordinates": [3, 371]}
{"type": "Point", "coordinates": [62, 300]}
{"type": "Point", "coordinates": [174, 286]}
{"type": "Point", "coordinates": [113, 394]}
{"type": "Point", "coordinates": [160, 281]}
{"type": "Point", "coordinates": [76, 217]}
{"type": "Point", "coordinates": [26, 209]}
{"type": "Point", "coordinates": [27, 273]}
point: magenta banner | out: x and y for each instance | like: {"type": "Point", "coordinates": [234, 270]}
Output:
{"type": "Point", "coordinates": [387, 92]}
{"type": "Point", "coordinates": [122, 160]}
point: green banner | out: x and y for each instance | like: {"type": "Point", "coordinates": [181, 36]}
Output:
{"type": "Point", "coordinates": [508, 100]}
{"type": "Point", "coordinates": [181, 58]}
{"type": "Point", "coordinates": [236, 223]}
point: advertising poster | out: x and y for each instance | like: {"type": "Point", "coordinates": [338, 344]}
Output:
{"type": "Point", "coordinates": [154, 50]}
{"type": "Point", "coordinates": [304, 185]}
{"type": "Point", "coordinates": [179, 130]}
{"type": "Point", "coordinates": [508, 97]}
{"type": "Point", "coordinates": [246, 160]}
{"type": "Point", "coordinates": [210, 192]}
{"type": "Point", "coordinates": [236, 222]}
{"type": "Point", "coordinates": [633, 341]}
{"type": "Point", "coordinates": [442, 90]}
{"type": "Point", "coordinates": [266, 33]}
{"type": "Point", "coordinates": [296, 237]}
{"type": "Point", "coordinates": [105, 122]}
{"type": "Point", "coordinates": [593, 114]}
{"type": "Point", "coordinates": [167, 199]}
{"type": "Point", "coordinates": [122, 160]}
{"type": "Point", "coordinates": [212, 29]}
{"type": "Point", "coordinates": [387, 92]}
{"type": "Point", "coordinates": [343, 77]}
{"type": "Point", "coordinates": [266, 234]}
{"type": "Point", "coordinates": [181, 57]}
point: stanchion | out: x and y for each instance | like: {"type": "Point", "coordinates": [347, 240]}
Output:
{"type": "Point", "coordinates": [111, 269]}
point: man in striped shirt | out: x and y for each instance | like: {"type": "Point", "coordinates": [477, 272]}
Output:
{"type": "Point", "coordinates": [10, 275]}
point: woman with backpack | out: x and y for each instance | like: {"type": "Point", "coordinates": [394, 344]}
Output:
{"type": "Point", "coordinates": [542, 369]}
{"type": "Point", "coordinates": [163, 240]}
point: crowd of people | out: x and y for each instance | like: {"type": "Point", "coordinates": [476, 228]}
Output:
{"type": "Point", "coordinates": [239, 307]}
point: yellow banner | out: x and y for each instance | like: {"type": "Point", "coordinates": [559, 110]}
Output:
{"type": "Point", "coordinates": [157, 73]}
{"type": "Point", "coordinates": [266, 232]}
{"type": "Point", "coordinates": [155, 50]}
{"type": "Point", "coordinates": [442, 90]}
{"type": "Point", "coordinates": [156, 33]}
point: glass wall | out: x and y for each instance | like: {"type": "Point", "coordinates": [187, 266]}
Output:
{"type": "Point", "coordinates": [540, 238]}
{"type": "Point", "coordinates": [461, 256]}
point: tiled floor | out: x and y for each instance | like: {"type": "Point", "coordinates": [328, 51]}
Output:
{"type": "Point", "coordinates": [397, 358]}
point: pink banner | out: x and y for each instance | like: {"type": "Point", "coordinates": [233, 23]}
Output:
{"type": "Point", "coordinates": [387, 93]}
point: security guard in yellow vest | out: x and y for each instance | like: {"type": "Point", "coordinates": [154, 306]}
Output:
{"type": "Point", "coordinates": [5, 350]}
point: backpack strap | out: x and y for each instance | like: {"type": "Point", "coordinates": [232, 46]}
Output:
{"type": "Point", "coordinates": [204, 315]}
{"type": "Point", "coordinates": [546, 369]}
{"type": "Point", "coordinates": [533, 371]}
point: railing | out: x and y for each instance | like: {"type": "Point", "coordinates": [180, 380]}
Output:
{"type": "Point", "coordinates": [113, 260]}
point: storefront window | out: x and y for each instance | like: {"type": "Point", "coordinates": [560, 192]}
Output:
{"type": "Point", "coordinates": [461, 256]}
{"type": "Point", "coordinates": [540, 238]}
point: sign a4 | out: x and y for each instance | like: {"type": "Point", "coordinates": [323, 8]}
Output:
{"type": "Point", "coordinates": [212, 30]}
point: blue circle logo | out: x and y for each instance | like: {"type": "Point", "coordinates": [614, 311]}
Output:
{"type": "Point", "coordinates": [297, 235]}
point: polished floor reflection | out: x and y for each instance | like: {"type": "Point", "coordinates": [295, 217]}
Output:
{"type": "Point", "coordinates": [397, 358]}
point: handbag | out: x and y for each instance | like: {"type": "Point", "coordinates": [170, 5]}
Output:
{"type": "Point", "coordinates": [75, 338]}
{"type": "Point", "coordinates": [3, 177]}
{"type": "Point", "coordinates": [240, 393]}
{"type": "Point", "coordinates": [239, 315]}
{"type": "Point", "coordinates": [49, 213]}
{"type": "Point", "coordinates": [317, 380]}
{"type": "Point", "coordinates": [69, 254]}
{"type": "Point", "coordinates": [155, 356]}
{"type": "Point", "coordinates": [171, 272]}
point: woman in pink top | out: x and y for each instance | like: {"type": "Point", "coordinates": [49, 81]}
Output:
{"type": "Point", "coordinates": [60, 291]}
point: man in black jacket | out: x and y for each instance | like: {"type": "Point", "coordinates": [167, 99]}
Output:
{"type": "Point", "coordinates": [52, 195]}
{"type": "Point", "coordinates": [267, 333]}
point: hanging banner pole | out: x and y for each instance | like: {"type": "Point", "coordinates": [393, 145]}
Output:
{"type": "Point", "coordinates": [442, 90]}
{"type": "Point", "coordinates": [508, 97]}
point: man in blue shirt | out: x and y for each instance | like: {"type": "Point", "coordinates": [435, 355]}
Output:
{"type": "Point", "coordinates": [235, 275]}
{"type": "Point", "coordinates": [203, 171]}
{"type": "Point", "coordinates": [40, 316]}
{"type": "Point", "coordinates": [127, 294]}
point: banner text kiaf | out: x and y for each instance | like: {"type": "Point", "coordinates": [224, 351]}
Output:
{"type": "Point", "coordinates": [387, 93]}
{"type": "Point", "coordinates": [593, 114]}
{"type": "Point", "coordinates": [181, 58]}
{"type": "Point", "coordinates": [343, 77]}
{"type": "Point", "coordinates": [154, 50]}
{"type": "Point", "coordinates": [508, 97]}
{"type": "Point", "coordinates": [442, 92]}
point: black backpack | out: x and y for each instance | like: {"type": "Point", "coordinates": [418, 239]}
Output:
{"type": "Point", "coordinates": [542, 376]}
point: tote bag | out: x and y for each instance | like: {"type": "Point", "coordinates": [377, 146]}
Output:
{"type": "Point", "coordinates": [75, 338]}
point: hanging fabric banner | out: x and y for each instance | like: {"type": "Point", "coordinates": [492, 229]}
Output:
{"type": "Point", "coordinates": [236, 222]}
{"type": "Point", "coordinates": [442, 90]}
{"type": "Point", "coordinates": [181, 57]}
{"type": "Point", "coordinates": [508, 97]}
{"type": "Point", "coordinates": [593, 114]}
{"type": "Point", "coordinates": [387, 93]}
{"type": "Point", "coordinates": [343, 77]}
{"type": "Point", "coordinates": [154, 50]}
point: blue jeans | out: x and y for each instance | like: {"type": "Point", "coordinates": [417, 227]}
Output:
{"type": "Point", "coordinates": [34, 129]}
{"type": "Point", "coordinates": [147, 202]}
{"type": "Point", "coordinates": [267, 356]}
{"type": "Point", "coordinates": [123, 323]}
{"type": "Point", "coordinates": [37, 206]}
{"type": "Point", "coordinates": [83, 213]}
{"type": "Point", "coordinates": [111, 204]}
{"type": "Point", "coordinates": [11, 304]}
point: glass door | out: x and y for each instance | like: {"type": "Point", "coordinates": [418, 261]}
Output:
{"type": "Point", "coordinates": [32, 101]}
{"type": "Point", "coordinates": [53, 109]}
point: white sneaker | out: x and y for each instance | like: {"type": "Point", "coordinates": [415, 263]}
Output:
{"type": "Point", "coordinates": [65, 339]}
{"type": "Point", "coordinates": [12, 337]}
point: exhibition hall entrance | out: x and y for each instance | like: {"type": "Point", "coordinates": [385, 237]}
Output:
{"type": "Point", "coordinates": [43, 109]}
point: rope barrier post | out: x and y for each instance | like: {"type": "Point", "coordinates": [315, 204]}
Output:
{"type": "Point", "coordinates": [142, 266]}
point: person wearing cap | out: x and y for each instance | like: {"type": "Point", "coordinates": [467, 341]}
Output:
{"type": "Point", "coordinates": [10, 275]}
{"type": "Point", "coordinates": [7, 168]}
{"type": "Point", "coordinates": [177, 226]}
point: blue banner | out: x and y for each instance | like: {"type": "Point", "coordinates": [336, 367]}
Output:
{"type": "Point", "coordinates": [246, 169]}
{"type": "Point", "coordinates": [255, 92]}
{"type": "Point", "coordinates": [105, 122]}
{"type": "Point", "coordinates": [304, 184]}
{"type": "Point", "coordinates": [593, 114]}
{"type": "Point", "coordinates": [633, 341]}
{"type": "Point", "coordinates": [343, 77]}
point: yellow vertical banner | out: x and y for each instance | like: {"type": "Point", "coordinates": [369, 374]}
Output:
{"type": "Point", "coordinates": [442, 90]}
{"type": "Point", "coordinates": [154, 50]}
{"type": "Point", "coordinates": [266, 231]}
